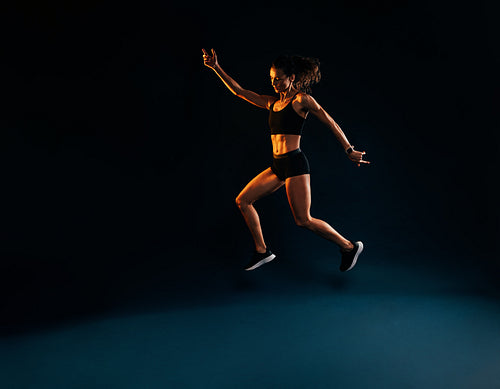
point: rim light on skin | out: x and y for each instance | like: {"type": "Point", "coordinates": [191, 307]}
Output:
{"type": "Point", "coordinates": [281, 83]}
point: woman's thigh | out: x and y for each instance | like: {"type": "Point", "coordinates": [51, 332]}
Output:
{"type": "Point", "coordinates": [298, 191]}
{"type": "Point", "coordinates": [262, 185]}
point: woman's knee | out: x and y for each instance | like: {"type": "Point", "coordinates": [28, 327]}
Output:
{"type": "Point", "coordinates": [303, 220]}
{"type": "Point", "coordinates": [242, 202]}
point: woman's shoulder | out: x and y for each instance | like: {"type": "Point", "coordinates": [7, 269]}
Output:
{"type": "Point", "coordinates": [303, 98]}
{"type": "Point", "coordinates": [306, 101]}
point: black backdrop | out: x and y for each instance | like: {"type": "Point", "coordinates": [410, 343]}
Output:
{"type": "Point", "coordinates": [118, 145]}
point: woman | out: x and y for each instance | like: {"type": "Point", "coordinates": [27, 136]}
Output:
{"type": "Point", "coordinates": [291, 78]}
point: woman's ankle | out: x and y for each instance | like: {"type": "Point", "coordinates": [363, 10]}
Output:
{"type": "Point", "coordinates": [348, 246]}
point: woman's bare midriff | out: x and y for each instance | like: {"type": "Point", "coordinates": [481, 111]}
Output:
{"type": "Point", "coordinates": [283, 143]}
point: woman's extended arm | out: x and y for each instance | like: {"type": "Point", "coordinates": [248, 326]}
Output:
{"type": "Point", "coordinates": [262, 101]}
{"type": "Point", "coordinates": [312, 105]}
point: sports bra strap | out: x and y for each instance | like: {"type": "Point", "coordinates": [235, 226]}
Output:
{"type": "Point", "coordinates": [274, 102]}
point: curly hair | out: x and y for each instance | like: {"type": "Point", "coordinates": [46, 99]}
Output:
{"type": "Point", "coordinates": [306, 70]}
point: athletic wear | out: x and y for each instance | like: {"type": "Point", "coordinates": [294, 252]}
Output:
{"type": "Point", "coordinates": [285, 121]}
{"type": "Point", "coordinates": [349, 258]}
{"type": "Point", "coordinates": [290, 164]}
{"type": "Point", "coordinates": [259, 259]}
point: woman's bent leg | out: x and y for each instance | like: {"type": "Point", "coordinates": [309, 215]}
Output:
{"type": "Point", "coordinates": [262, 185]}
{"type": "Point", "coordinates": [298, 190]}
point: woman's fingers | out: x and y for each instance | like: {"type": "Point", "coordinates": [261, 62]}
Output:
{"type": "Point", "coordinates": [209, 60]}
{"type": "Point", "coordinates": [357, 157]}
{"type": "Point", "coordinates": [205, 54]}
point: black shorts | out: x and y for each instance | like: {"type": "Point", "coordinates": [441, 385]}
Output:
{"type": "Point", "coordinates": [290, 164]}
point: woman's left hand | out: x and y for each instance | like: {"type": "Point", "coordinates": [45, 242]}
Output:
{"type": "Point", "coordinates": [357, 156]}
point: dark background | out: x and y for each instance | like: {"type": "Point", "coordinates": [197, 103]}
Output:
{"type": "Point", "coordinates": [122, 154]}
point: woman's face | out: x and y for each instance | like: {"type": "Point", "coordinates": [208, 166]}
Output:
{"type": "Point", "coordinates": [279, 80]}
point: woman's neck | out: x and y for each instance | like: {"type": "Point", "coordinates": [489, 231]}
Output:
{"type": "Point", "coordinates": [287, 94]}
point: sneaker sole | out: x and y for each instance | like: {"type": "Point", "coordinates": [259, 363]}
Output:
{"type": "Point", "coordinates": [262, 262]}
{"type": "Point", "coordinates": [360, 249]}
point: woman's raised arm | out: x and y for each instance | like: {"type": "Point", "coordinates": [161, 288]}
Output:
{"type": "Point", "coordinates": [262, 101]}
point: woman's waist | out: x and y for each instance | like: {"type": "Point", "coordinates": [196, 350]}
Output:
{"type": "Point", "coordinates": [284, 143]}
{"type": "Point", "coordinates": [287, 154]}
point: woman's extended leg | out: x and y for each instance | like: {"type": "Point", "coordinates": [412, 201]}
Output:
{"type": "Point", "coordinates": [298, 190]}
{"type": "Point", "coordinates": [262, 185]}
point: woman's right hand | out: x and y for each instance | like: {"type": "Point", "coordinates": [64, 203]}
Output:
{"type": "Point", "coordinates": [210, 60]}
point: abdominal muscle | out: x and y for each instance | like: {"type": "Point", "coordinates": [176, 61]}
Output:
{"type": "Point", "coordinates": [283, 143]}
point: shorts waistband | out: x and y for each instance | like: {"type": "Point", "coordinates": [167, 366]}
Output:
{"type": "Point", "coordinates": [289, 154]}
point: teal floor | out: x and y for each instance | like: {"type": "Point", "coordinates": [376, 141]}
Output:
{"type": "Point", "coordinates": [290, 324]}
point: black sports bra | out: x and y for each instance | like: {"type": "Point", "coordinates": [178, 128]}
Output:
{"type": "Point", "coordinates": [285, 121]}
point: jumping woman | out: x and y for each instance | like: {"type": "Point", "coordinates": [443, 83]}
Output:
{"type": "Point", "coordinates": [291, 78]}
